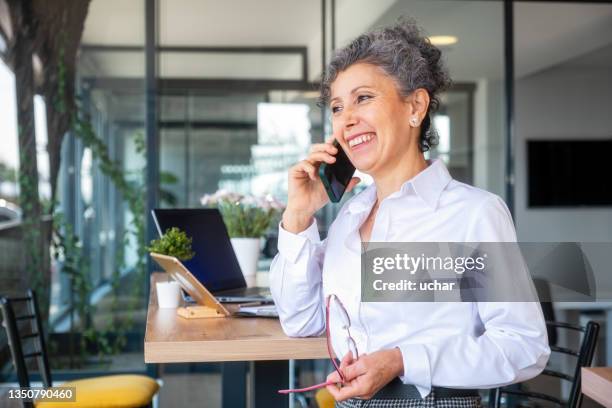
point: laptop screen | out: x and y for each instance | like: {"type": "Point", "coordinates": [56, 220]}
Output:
{"type": "Point", "coordinates": [214, 264]}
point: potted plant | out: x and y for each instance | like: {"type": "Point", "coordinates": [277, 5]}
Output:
{"type": "Point", "coordinates": [173, 242]}
{"type": "Point", "coordinates": [247, 219]}
{"type": "Point", "coordinates": [176, 243]}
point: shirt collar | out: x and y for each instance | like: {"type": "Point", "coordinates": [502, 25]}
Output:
{"type": "Point", "coordinates": [363, 201]}
{"type": "Point", "coordinates": [428, 185]}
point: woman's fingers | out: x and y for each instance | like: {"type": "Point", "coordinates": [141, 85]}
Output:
{"type": "Point", "coordinates": [353, 371]}
{"type": "Point", "coordinates": [324, 147]}
{"type": "Point", "coordinates": [318, 157]}
{"type": "Point", "coordinates": [346, 391]}
{"type": "Point", "coordinates": [334, 377]}
{"type": "Point", "coordinates": [347, 359]}
{"type": "Point", "coordinates": [328, 144]}
{"type": "Point", "coordinates": [308, 168]}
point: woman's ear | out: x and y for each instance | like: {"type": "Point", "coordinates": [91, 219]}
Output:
{"type": "Point", "coordinates": [420, 103]}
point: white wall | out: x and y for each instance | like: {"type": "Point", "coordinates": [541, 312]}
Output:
{"type": "Point", "coordinates": [489, 136]}
{"type": "Point", "coordinates": [561, 104]}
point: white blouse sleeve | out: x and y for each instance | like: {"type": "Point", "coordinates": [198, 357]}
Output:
{"type": "Point", "coordinates": [513, 346]}
{"type": "Point", "coordinates": [295, 282]}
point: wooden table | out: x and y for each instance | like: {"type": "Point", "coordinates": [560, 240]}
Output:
{"type": "Point", "coordinates": [172, 339]}
{"type": "Point", "coordinates": [597, 384]}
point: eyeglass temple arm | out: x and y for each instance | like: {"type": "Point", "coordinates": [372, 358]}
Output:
{"type": "Point", "coordinates": [327, 338]}
{"type": "Point", "coordinates": [311, 388]}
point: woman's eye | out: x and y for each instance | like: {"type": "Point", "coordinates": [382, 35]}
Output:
{"type": "Point", "coordinates": [335, 109]}
{"type": "Point", "coordinates": [362, 98]}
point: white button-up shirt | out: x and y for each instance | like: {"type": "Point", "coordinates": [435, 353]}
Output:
{"type": "Point", "coordinates": [448, 344]}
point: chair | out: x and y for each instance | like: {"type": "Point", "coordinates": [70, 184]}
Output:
{"type": "Point", "coordinates": [108, 391]}
{"type": "Point", "coordinates": [584, 358]}
{"type": "Point", "coordinates": [324, 399]}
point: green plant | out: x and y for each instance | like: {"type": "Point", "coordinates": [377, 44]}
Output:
{"type": "Point", "coordinates": [68, 249]}
{"type": "Point", "coordinates": [245, 221]}
{"type": "Point", "coordinates": [173, 243]}
{"type": "Point", "coordinates": [66, 245]}
{"type": "Point", "coordinates": [132, 189]}
{"type": "Point", "coordinates": [244, 216]}
{"type": "Point", "coordinates": [166, 196]}
{"type": "Point", "coordinates": [7, 173]}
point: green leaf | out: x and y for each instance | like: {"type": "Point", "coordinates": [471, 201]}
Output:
{"type": "Point", "coordinates": [173, 242]}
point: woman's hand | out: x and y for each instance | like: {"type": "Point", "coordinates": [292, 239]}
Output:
{"type": "Point", "coordinates": [367, 375]}
{"type": "Point", "coordinates": [306, 193]}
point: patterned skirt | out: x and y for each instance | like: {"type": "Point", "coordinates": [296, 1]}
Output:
{"type": "Point", "coordinates": [429, 401]}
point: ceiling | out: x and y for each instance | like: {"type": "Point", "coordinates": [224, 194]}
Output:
{"type": "Point", "coordinates": [546, 35]}
{"type": "Point", "coordinates": [598, 59]}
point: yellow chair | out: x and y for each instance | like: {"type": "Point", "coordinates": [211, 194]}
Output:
{"type": "Point", "coordinates": [324, 399]}
{"type": "Point", "coordinates": [109, 392]}
{"type": "Point", "coordinates": [112, 391]}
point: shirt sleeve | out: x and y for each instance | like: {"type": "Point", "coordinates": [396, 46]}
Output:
{"type": "Point", "coordinates": [295, 282]}
{"type": "Point", "coordinates": [513, 345]}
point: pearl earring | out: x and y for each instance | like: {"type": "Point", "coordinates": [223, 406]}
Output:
{"type": "Point", "coordinates": [414, 121]}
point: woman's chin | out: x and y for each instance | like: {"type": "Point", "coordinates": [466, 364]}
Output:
{"type": "Point", "coordinates": [364, 164]}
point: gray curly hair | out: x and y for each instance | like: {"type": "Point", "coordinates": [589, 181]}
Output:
{"type": "Point", "coordinates": [403, 53]}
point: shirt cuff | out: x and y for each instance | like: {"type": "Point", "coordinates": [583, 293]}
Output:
{"type": "Point", "coordinates": [290, 245]}
{"type": "Point", "coordinates": [417, 370]}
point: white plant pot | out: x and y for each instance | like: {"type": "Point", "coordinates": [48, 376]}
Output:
{"type": "Point", "coordinates": [247, 252]}
{"type": "Point", "coordinates": [168, 294]}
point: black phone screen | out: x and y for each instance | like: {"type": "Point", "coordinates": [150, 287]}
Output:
{"type": "Point", "coordinates": [340, 172]}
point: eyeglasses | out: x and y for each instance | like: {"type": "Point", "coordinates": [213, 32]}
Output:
{"type": "Point", "coordinates": [335, 306]}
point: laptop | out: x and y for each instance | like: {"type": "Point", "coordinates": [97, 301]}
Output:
{"type": "Point", "coordinates": [214, 264]}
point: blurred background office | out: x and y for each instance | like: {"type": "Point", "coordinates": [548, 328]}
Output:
{"type": "Point", "coordinates": [191, 96]}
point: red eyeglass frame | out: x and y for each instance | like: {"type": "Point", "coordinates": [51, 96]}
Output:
{"type": "Point", "coordinates": [329, 349]}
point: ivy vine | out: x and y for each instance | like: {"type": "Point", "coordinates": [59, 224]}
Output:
{"type": "Point", "coordinates": [75, 262]}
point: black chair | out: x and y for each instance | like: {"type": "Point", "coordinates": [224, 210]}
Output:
{"type": "Point", "coordinates": [584, 358]}
{"type": "Point", "coordinates": [25, 333]}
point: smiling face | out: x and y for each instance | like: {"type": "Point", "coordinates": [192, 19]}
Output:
{"type": "Point", "coordinates": [371, 120]}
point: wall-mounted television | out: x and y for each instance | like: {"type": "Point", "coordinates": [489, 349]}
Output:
{"type": "Point", "coordinates": [569, 173]}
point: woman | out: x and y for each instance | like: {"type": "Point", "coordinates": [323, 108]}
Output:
{"type": "Point", "coordinates": [382, 89]}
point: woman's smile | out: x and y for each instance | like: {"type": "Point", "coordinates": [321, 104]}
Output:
{"type": "Point", "coordinates": [361, 141]}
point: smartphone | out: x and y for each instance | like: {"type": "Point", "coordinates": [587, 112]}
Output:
{"type": "Point", "coordinates": [336, 176]}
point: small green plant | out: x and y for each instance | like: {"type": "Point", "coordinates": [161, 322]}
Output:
{"type": "Point", "coordinates": [173, 243]}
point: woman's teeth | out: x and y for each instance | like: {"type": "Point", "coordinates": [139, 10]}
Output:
{"type": "Point", "coordinates": [361, 139]}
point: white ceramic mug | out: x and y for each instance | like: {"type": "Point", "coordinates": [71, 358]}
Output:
{"type": "Point", "coordinates": [168, 294]}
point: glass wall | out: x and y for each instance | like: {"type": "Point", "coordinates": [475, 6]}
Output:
{"type": "Point", "coordinates": [237, 108]}
{"type": "Point", "coordinates": [102, 196]}
{"type": "Point", "coordinates": [242, 142]}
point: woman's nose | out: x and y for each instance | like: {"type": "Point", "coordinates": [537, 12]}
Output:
{"type": "Point", "coordinates": [350, 118]}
